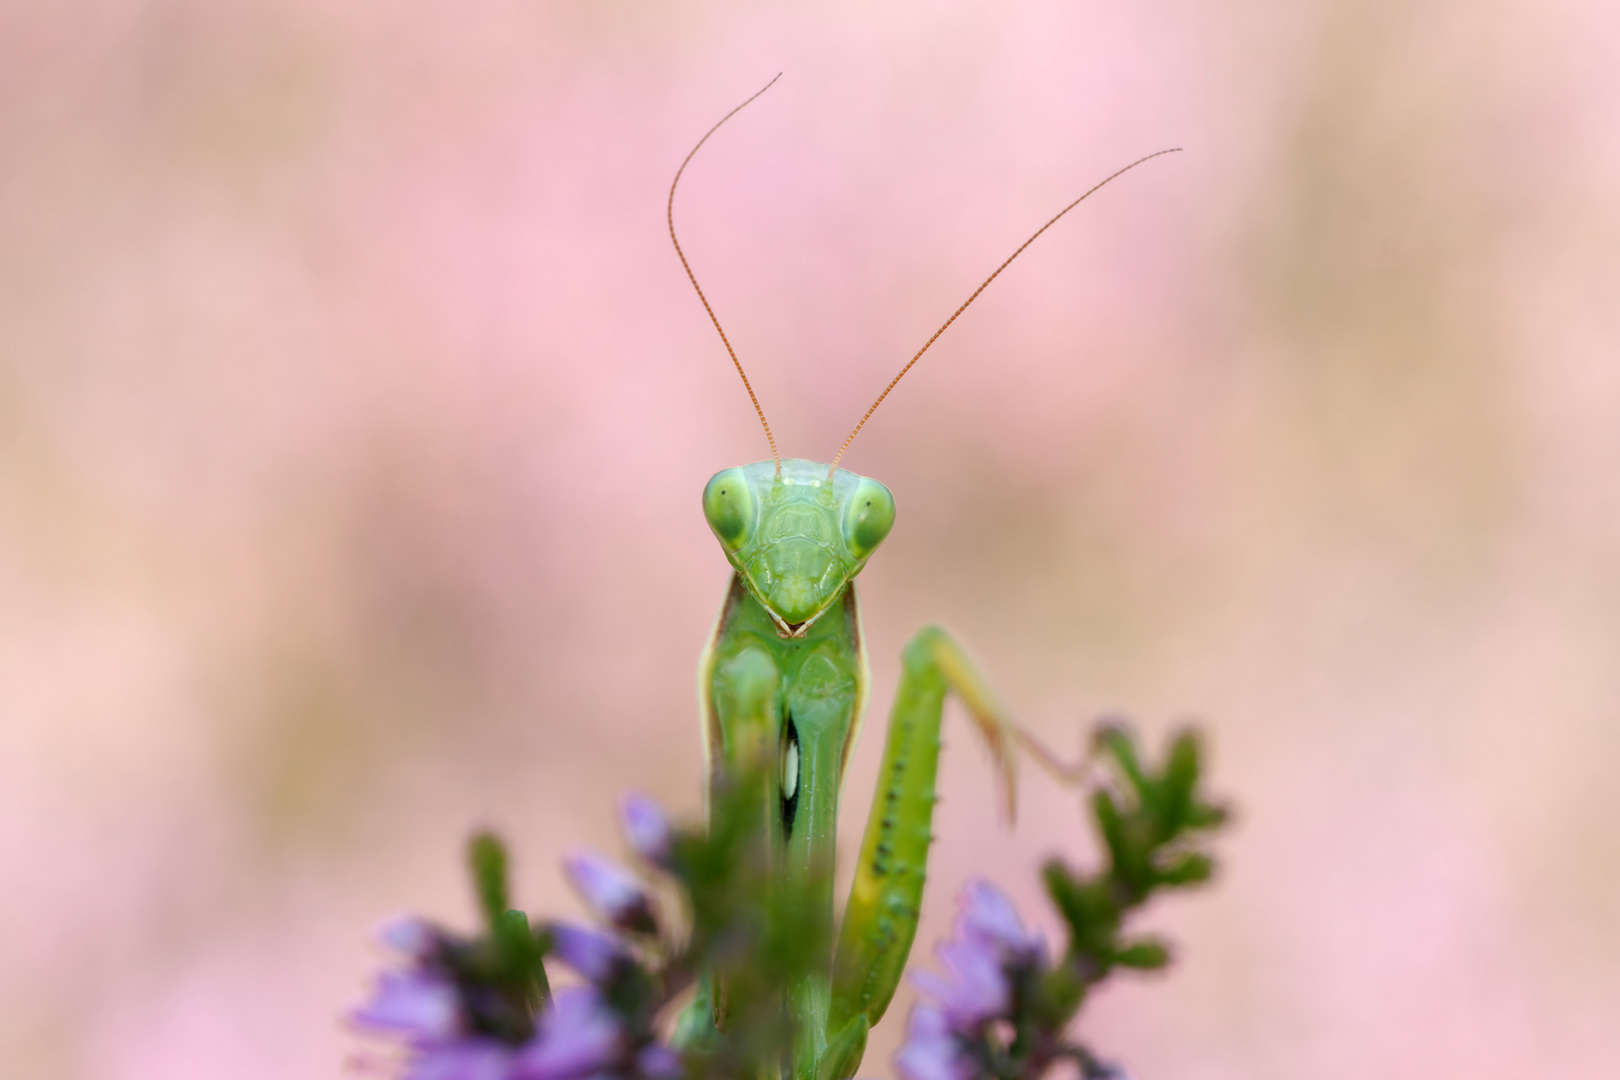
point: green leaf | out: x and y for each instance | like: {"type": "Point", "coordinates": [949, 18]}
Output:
{"type": "Point", "coordinates": [1180, 780]}
{"type": "Point", "coordinates": [520, 954]}
{"type": "Point", "coordinates": [487, 856]}
{"type": "Point", "coordinates": [1208, 816]}
{"type": "Point", "coordinates": [1146, 954]}
{"type": "Point", "coordinates": [1194, 868]}
{"type": "Point", "coordinates": [1064, 891]}
{"type": "Point", "coordinates": [1116, 741]}
{"type": "Point", "coordinates": [1111, 824]}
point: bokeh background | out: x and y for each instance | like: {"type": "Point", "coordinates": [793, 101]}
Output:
{"type": "Point", "coordinates": [354, 411]}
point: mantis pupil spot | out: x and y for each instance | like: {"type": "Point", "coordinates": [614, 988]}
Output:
{"type": "Point", "coordinates": [790, 771]}
{"type": "Point", "coordinates": [790, 778]}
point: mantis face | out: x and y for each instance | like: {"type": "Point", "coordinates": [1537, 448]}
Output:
{"type": "Point", "coordinates": [796, 537]}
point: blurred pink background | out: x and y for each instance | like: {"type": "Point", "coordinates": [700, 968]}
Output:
{"type": "Point", "coordinates": [354, 412]}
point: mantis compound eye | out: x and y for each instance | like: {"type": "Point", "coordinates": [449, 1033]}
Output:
{"type": "Point", "coordinates": [731, 508]}
{"type": "Point", "coordinates": [868, 517]}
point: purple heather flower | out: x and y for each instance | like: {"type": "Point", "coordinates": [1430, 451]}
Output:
{"type": "Point", "coordinates": [990, 939]}
{"type": "Point", "coordinates": [932, 1050]}
{"type": "Point", "coordinates": [577, 1037]}
{"type": "Point", "coordinates": [975, 988]}
{"type": "Point", "coordinates": [659, 1062]}
{"type": "Point", "coordinates": [592, 953]}
{"type": "Point", "coordinates": [474, 1058]}
{"type": "Point", "coordinates": [984, 913]}
{"type": "Point", "coordinates": [614, 892]}
{"type": "Point", "coordinates": [410, 936]}
{"type": "Point", "coordinates": [647, 828]}
{"type": "Point", "coordinates": [418, 1005]}
{"type": "Point", "coordinates": [1107, 1070]}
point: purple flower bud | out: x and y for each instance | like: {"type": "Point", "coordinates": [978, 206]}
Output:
{"type": "Point", "coordinates": [466, 1059]}
{"type": "Point", "coordinates": [1106, 1070]}
{"type": "Point", "coordinates": [592, 953]}
{"type": "Point", "coordinates": [659, 1062]}
{"type": "Point", "coordinates": [614, 892]}
{"type": "Point", "coordinates": [984, 913]}
{"type": "Point", "coordinates": [421, 1006]}
{"type": "Point", "coordinates": [975, 988]}
{"type": "Point", "coordinates": [931, 1050]}
{"type": "Point", "coordinates": [410, 936]}
{"type": "Point", "coordinates": [576, 1037]}
{"type": "Point", "coordinates": [647, 828]}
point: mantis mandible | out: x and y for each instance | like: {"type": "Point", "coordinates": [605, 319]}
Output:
{"type": "Point", "coordinates": [784, 680]}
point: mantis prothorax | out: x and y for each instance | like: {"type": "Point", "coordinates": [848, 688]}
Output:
{"type": "Point", "coordinates": [784, 680]}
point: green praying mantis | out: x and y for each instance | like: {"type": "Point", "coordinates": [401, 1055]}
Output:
{"type": "Point", "coordinates": [783, 686]}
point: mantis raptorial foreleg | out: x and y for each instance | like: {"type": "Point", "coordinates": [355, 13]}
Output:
{"type": "Point", "coordinates": [880, 919]}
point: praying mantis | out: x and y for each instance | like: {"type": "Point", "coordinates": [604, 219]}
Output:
{"type": "Point", "coordinates": [783, 687]}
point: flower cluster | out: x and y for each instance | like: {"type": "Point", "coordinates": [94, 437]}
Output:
{"type": "Point", "coordinates": [438, 1014]}
{"type": "Point", "coordinates": [482, 1009]}
{"type": "Point", "coordinates": [988, 963]}
{"type": "Point", "coordinates": [1001, 1009]}
{"type": "Point", "coordinates": [729, 927]}
{"type": "Point", "coordinates": [745, 937]}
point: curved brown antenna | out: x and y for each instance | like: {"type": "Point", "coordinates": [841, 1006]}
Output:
{"type": "Point", "coordinates": [670, 213]}
{"type": "Point", "coordinates": [839, 456]}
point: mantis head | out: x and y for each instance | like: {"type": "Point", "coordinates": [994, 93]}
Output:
{"type": "Point", "coordinates": [797, 533]}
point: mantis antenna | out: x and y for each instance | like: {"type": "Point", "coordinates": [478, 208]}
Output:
{"type": "Point", "coordinates": [975, 296]}
{"type": "Point", "coordinates": [670, 213]}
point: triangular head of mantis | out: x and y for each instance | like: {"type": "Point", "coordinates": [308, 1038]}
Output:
{"type": "Point", "coordinates": [797, 536]}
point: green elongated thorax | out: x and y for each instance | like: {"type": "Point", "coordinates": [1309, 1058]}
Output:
{"type": "Point", "coordinates": [795, 704]}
